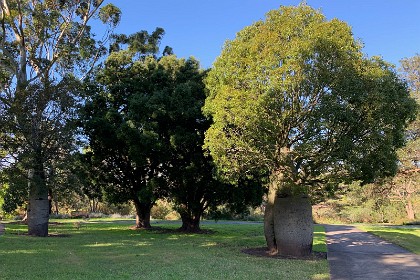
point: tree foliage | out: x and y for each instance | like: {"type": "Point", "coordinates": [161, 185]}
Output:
{"type": "Point", "coordinates": [294, 94]}
{"type": "Point", "coordinates": [146, 130]}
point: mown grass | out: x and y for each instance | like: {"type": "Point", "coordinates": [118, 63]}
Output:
{"type": "Point", "coordinates": [111, 250]}
{"type": "Point", "coordinates": [406, 237]}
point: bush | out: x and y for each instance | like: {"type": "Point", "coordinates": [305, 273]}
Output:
{"type": "Point", "coordinates": [327, 213]}
{"type": "Point", "coordinates": [163, 210]}
{"type": "Point", "coordinates": [122, 209]}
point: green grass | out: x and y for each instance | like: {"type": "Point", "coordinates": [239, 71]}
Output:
{"type": "Point", "coordinates": [405, 237]}
{"type": "Point", "coordinates": [110, 250]}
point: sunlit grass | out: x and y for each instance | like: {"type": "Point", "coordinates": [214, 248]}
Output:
{"type": "Point", "coordinates": [111, 250]}
{"type": "Point", "coordinates": [405, 237]}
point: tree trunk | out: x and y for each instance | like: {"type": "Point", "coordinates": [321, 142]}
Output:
{"type": "Point", "coordinates": [190, 222]}
{"type": "Point", "coordinates": [39, 206]}
{"type": "Point", "coordinates": [288, 223]}
{"type": "Point", "coordinates": [409, 209]}
{"type": "Point", "coordinates": [143, 214]}
{"type": "Point", "coordinates": [269, 220]}
{"type": "Point", "coordinates": [293, 226]}
{"type": "Point", "coordinates": [56, 207]}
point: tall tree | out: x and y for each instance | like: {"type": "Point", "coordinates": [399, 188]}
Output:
{"type": "Point", "coordinates": [193, 183]}
{"type": "Point", "coordinates": [46, 47]}
{"type": "Point", "coordinates": [120, 122]}
{"type": "Point", "coordinates": [295, 96]}
{"type": "Point", "coordinates": [406, 185]}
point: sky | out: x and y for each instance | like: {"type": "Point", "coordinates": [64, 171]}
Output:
{"type": "Point", "coordinates": [388, 28]}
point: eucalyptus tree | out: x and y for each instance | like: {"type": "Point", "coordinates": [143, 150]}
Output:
{"type": "Point", "coordinates": [46, 48]}
{"type": "Point", "coordinates": [405, 187]}
{"type": "Point", "coordinates": [295, 96]}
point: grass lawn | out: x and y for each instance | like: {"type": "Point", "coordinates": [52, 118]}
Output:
{"type": "Point", "coordinates": [108, 249]}
{"type": "Point", "coordinates": [406, 237]}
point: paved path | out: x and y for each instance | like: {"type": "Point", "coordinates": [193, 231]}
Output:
{"type": "Point", "coordinates": [355, 254]}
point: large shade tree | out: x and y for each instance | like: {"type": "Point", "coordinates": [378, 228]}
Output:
{"type": "Point", "coordinates": [295, 96]}
{"type": "Point", "coordinates": [121, 122]}
{"type": "Point", "coordinates": [46, 48]}
{"type": "Point", "coordinates": [193, 184]}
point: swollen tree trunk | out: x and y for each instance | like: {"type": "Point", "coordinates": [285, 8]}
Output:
{"type": "Point", "coordinates": [288, 224]}
{"type": "Point", "coordinates": [190, 221]}
{"type": "Point", "coordinates": [143, 210]}
{"type": "Point", "coordinates": [39, 205]}
{"type": "Point", "coordinates": [293, 226]}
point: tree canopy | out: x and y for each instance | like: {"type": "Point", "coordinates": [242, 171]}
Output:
{"type": "Point", "coordinates": [295, 94]}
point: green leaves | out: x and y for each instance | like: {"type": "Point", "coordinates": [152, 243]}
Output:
{"type": "Point", "coordinates": [294, 94]}
{"type": "Point", "coordinates": [109, 13]}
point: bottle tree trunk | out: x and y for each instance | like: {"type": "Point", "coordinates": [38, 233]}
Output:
{"type": "Point", "coordinates": [190, 221]}
{"type": "Point", "coordinates": [39, 206]}
{"type": "Point", "coordinates": [143, 210]}
{"type": "Point", "coordinates": [288, 224]}
{"type": "Point", "coordinates": [293, 226]}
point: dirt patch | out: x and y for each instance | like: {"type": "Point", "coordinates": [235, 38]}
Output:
{"type": "Point", "coordinates": [263, 252]}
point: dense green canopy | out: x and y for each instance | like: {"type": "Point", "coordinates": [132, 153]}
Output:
{"type": "Point", "coordinates": [295, 95]}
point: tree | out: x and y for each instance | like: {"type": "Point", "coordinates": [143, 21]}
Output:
{"type": "Point", "coordinates": [406, 185]}
{"type": "Point", "coordinates": [193, 184]}
{"type": "Point", "coordinates": [46, 47]}
{"type": "Point", "coordinates": [120, 122]}
{"type": "Point", "coordinates": [179, 93]}
{"type": "Point", "coordinates": [294, 95]}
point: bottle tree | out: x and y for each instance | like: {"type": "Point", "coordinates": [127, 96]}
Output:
{"type": "Point", "coordinates": [46, 48]}
{"type": "Point", "coordinates": [295, 96]}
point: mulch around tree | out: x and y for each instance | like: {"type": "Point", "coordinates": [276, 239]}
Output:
{"type": "Point", "coordinates": [263, 252]}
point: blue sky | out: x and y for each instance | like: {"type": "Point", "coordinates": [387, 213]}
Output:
{"type": "Point", "coordinates": [389, 28]}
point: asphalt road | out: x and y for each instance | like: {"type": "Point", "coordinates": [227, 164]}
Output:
{"type": "Point", "coordinates": [355, 254]}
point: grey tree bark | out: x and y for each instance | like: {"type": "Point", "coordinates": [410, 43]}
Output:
{"type": "Point", "coordinates": [288, 224]}
{"type": "Point", "coordinates": [39, 207]}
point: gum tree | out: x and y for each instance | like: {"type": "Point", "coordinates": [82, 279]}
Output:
{"type": "Point", "coordinates": [294, 96]}
{"type": "Point", "coordinates": [46, 48]}
{"type": "Point", "coordinates": [405, 187]}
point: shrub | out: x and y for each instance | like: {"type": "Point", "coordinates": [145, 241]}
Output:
{"type": "Point", "coordinates": [163, 210]}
